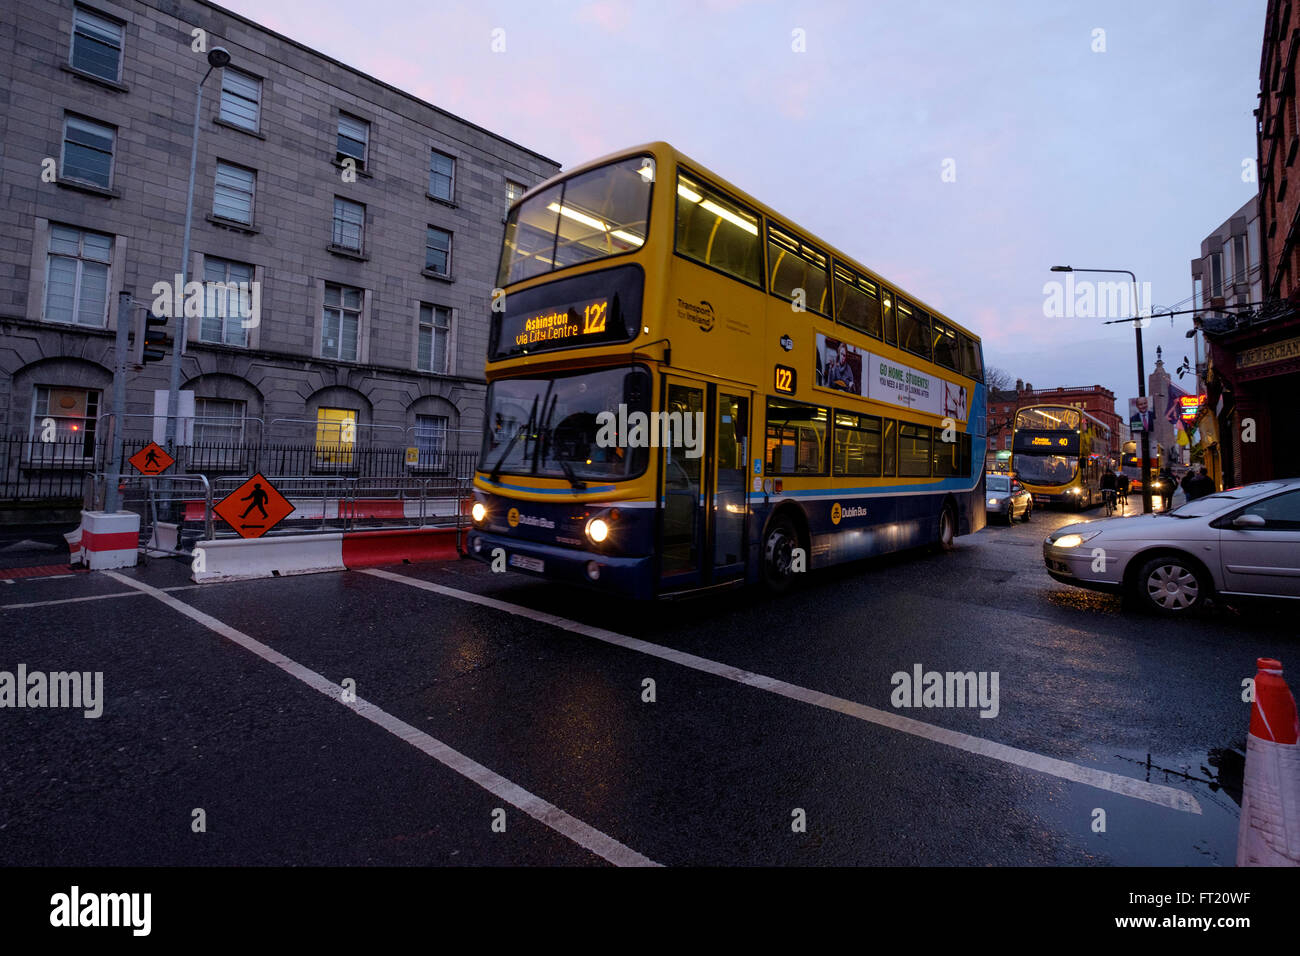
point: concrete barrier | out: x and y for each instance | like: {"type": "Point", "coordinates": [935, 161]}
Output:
{"type": "Point", "coordinates": [237, 559]}
{"type": "Point", "coordinates": [109, 539]}
{"type": "Point", "coordinates": [240, 559]}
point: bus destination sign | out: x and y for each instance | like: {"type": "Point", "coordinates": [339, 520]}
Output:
{"type": "Point", "coordinates": [562, 326]}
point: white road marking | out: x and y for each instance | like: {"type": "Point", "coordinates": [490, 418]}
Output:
{"type": "Point", "coordinates": [115, 594]}
{"type": "Point", "coordinates": [546, 813]}
{"type": "Point", "coordinates": [1158, 794]}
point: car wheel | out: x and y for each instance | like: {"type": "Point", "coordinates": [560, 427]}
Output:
{"type": "Point", "coordinates": [1171, 585]}
{"type": "Point", "coordinates": [778, 555]}
{"type": "Point", "coordinates": [1029, 513]}
{"type": "Point", "coordinates": [948, 530]}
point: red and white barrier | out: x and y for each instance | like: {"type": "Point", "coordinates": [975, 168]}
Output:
{"type": "Point", "coordinates": [1269, 834]}
{"type": "Point", "coordinates": [109, 539]}
{"type": "Point", "coordinates": [74, 546]}
{"type": "Point", "coordinates": [237, 559]}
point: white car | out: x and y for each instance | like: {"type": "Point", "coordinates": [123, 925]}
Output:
{"type": "Point", "coordinates": [1243, 541]}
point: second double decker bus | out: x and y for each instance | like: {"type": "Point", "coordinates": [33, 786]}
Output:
{"type": "Point", "coordinates": [688, 391]}
{"type": "Point", "coordinates": [1059, 453]}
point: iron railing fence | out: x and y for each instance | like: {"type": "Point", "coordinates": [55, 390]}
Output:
{"type": "Point", "coordinates": [36, 470]}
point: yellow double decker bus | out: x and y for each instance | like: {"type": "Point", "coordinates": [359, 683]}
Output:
{"type": "Point", "coordinates": [1059, 453]}
{"type": "Point", "coordinates": [687, 391]}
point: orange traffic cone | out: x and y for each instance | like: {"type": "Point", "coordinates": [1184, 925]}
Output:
{"type": "Point", "coordinates": [1269, 834]}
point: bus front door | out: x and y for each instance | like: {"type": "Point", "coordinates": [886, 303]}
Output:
{"type": "Point", "coordinates": [703, 485]}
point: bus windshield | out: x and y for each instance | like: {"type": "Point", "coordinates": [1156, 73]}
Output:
{"type": "Point", "coordinates": [1045, 469]}
{"type": "Point", "coordinates": [1054, 418]}
{"type": "Point", "coordinates": [549, 427]}
{"type": "Point", "coordinates": [596, 214]}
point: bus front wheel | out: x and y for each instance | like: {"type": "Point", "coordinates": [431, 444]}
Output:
{"type": "Point", "coordinates": [778, 554]}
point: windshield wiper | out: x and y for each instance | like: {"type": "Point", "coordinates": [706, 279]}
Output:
{"type": "Point", "coordinates": [495, 474]}
{"type": "Point", "coordinates": [571, 475]}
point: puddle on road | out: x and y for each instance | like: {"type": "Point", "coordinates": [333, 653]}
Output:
{"type": "Point", "coordinates": [1143, 834]}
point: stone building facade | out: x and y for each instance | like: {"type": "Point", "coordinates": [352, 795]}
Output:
{"type": "Point", "coordinates": [362, 222]}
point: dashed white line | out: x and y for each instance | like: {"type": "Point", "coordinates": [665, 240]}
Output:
{"type": "Point", "coordinates": [546, 813]}
{"type": "Point", "coordinates": [1158, 794]}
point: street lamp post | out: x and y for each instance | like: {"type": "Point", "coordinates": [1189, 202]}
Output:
{"type": "Point", "coordinates": [1142, 379]}
{"type": "Point", "coordinates": [217, 57]}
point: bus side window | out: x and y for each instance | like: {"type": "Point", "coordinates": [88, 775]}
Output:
{"type": "Point", "coordinates": [889, 447]}
{"type": "Point", "coordinates": [887, 309]}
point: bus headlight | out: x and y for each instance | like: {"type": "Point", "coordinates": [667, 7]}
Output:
{"type": "Point", "coordinates": [597, 530]}
{"type": "Point", "coordinates": [478, 512]}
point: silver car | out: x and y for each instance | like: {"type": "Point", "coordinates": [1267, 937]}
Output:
{"type": "Point", "coordinates": [1007, 499]}
{"type": "Point", "coordinates": [1243, 541]}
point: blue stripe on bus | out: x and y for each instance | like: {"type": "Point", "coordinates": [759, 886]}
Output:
{"type": "Point", "coordinates": [595, 489]}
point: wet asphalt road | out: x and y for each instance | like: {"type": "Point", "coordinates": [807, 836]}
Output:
{"type": "Point", "coordinates": [711, 772]}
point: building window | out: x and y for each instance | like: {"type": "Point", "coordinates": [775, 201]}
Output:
{"type": "Point", "coordinates": [1006, 441]}
{"type": "Point", "coordinates": [227, 302]}
{"type": "Point", "coordinates": [63, 422]}
{"type": "Point", "coordinates": [431, 438]}
{"type": "Point", "coordinates": [96, 45]}
{"type": "Point", "coordinates": [76, 277]}
{"type": "Point", "coordinates": [354, 137]}
{"type": "Point", "coordinates": [435, 339]}
{"type": "Point", "coordinates": [513, 191]}
{"type": "Point", "coordinates": [1216, 275]}
{"type": "Point", "coordinates": [340, 330]}
{"type": "Point", "coordinates": [437, 251]}
{"type": "Point", "coordinates": [232, 193]}
{"type": "Point", "coordinates": [442, 175]}
{"type": "Point", "coordinates": [88, 151]}
{"type": "Point", "coordinates": [219, 421]}
{"type": "Point", "coordinates": [349, 224]}
{"type": "Point", "coordinates": [336, 434]}
{"type": "Point", "coordinates": [241, 97]}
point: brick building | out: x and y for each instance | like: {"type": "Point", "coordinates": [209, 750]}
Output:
{"type": "Point", "coordinates": [366, 224]}
{"type": "Point", "coordinates": [1251, 368]}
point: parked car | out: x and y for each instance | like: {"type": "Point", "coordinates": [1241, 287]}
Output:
{"type": "Point", "coordinates": [1244, 541]}
{"type": "Point", "coordinates": [1007, 498]}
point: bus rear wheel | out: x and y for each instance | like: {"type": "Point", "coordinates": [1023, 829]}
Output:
{"type": "Point", "coordinates": [948, 529]}
{"type": "Point", "coordinates": [778, 554]}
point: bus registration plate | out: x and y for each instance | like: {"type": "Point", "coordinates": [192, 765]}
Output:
{"type": "Point", "coordinates": [527, 563]}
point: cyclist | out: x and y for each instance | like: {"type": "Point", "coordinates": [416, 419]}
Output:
{"type": "Point", "coordinates": [1109, 486]}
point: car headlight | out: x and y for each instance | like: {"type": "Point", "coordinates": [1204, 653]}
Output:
{"type": "Point", "coordinates": [597, 530]}
{"type": "Point", "coordinates": [478, 512]}
{"type": "Point", "coordinates": [1073, 540]}
{"type": "Point", "coordinates": [993, 502]}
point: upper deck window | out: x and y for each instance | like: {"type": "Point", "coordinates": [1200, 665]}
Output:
{"type": "Point", "coordinates": [718, 232]}
{"type": "Point", "coordinates": [593, 215]}
{"type": "Point", "coordinates": [857, 301]}
{"type": "Point", "coordinates": [798, 271]}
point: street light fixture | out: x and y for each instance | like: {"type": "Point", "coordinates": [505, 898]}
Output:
{"type": "Point", "coordinates": [218, 57]}
{"type": "Point", "coordinates": [1142, 381]}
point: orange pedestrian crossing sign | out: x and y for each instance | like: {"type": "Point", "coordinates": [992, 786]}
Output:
{"type": "Point", "coordinates": [151, 460]}
{"type": "Point", "coordinates": [254, 508]}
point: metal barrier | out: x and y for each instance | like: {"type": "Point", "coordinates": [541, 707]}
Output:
{"type": "Point", "coordinates": [157, 499]}
{"type": "Point", "coordinates": [177, 510]}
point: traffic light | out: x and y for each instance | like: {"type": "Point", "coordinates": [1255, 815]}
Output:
{"type": "Point", "coordinates": [150, 339]}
